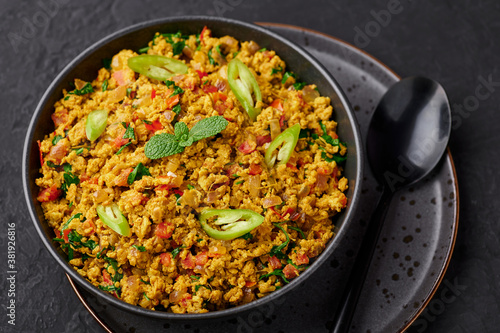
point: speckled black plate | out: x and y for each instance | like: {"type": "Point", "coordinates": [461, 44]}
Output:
{"type": "Point", "coordinates": [412, 255]}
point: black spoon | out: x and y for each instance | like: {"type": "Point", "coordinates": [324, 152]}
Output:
{"type": "Point", "coordinates": [407, 137]}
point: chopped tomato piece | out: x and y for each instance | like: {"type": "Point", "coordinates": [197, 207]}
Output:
{"type": "Point", "coordinates": [290, 271]}
{"type": "Point", "coordinates": [166, 259]}
{"type": "Point", "coordinates": [202, 34]}
{"type": "Point", "coordinates": [274, 262]}
{"type": "Point", "coordinates": [164, 230]}
{"type": "Point", "coordinates": [343, 200]}
{"type": "Point", "coordinates": [261, 140]}
{"type": "Point", "coordinates": [57, 152]}
{"type": "Point", "coordinates": [106, 277]}
{"type": "Point", "coordinates": [250, 284]}
{"type": "Point", "coordinates": [208, 88]}
{"type": "Point", "coordinates": [289, 211]}
{"type": "Point", "coordinates": [120, 78]}
{"type": "Point", "coordinates": [172, 101]}
{"type": "Point", "coordinates": [60, 117]}
{"type": "Point", "coordinates": [277, 104]}
{"type": "Point", "coordinates": [282, 120]}
{"type": "Point", "coordinates": [65, 235]}
{"type": "Point", "coordinates": [94, 180]}
{"type": "Point", "coordinates": [121, 179]}
{"type": "Point", "coordinates": [247, 147]}
{"type": "Point", "coordinates": [220, 108]}
{"type": "Point", "coordinates": [291, 166]}
{"type": "Point", "coordinates": [255, 169]}
{"type": "Point", "coordinates": [49, 194]}
{"type": "Point", "coordinates": [184, 300]}
{"type": "Point", "coordinates": [119, 140]}
{"type": "Point", "coordinates": [302, 259]}
{"type": "Point", "coordinates": [178, 192]}
{"type": "Point", "coordinates": [188, 263]}
{"type": "Point", "coordinates": [202, 258]}
{"type": "Point", "coordinates": [153, 93]}
{"type": "Point", "coordinates": [268, 54]}
{"type": "Point", "coordinates": [40, 151]}
{"type": "Point", "coordinates": [201, 74]}
{"type": "Point", "coordinates": [86, 228]}
{"type": "Point", "coordinates": [154, 126]}
{"type": "Point", "coordinates": [219, 96]}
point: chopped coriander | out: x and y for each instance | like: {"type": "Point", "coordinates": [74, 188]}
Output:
{"type": "Point", "coordinates": [262, 49]}
{"type": "Point", "coordinates": [177, 198]}
{"type": "Point", "coordinates": [145, 282]}
{"type": "Point", "coordinates": [146, 122]}
{"type": "Point", "coordinates": [104, 85]}
{"type": "Point", "coordinates": [177, 47]}
{"type": "Point", "coordinates": [52, 165]}
{"type": "Point", "coordinates": [194, 277]}
{"type": "Point", "coordinates": [86, 89]}
{"type": "Point", "coordinates": [247, 236]}
{"type": "Point", "coordinates": [210, 59]}
{"type": "Point", "coordinates": [199, 240]}
{"type": "Point", "coordinates": [69, 178]}
{"type": "Point", "coordinates": [177, 250]}
{"type": "Point", "coordinates": [286, 76]}
{"type": "Point", "coordinates": [277, 272]}
{"type": "Point", "coordinates": [239, 182]}
{"type": "Point", "coordinates": [276, 70]}
{"type": "Point", "coordinates": [137, 174]}
{"type": "Point", "coordinates": [123, 147]}
{"type": "Point", "coordinates": [299, 231]}
{"type": "Point", "coordinates": [177, 109]}
{"type": "Point", "coordinates": [299, 85]}
{"type": "Point", "coordinates": [56, 139]}
{"type": "Point", "coordinates": [110, 288]}
{"type": "Point", "coordinates": [70, 204]}
{"type": "Point", "coordinates": [177, 90]}
{"type": "Point", "coordinates": [190, 187]}
{"type": "Point", "coordinates": [235, 54]}
{"type": "Point", "coordinates": [276, 250]}
{"type": "Point", "coordinates": [79, 151]}
{"type": "Point", "coordinates": [146, 296]}
{"type": "Point", "coordinates": [139, 248]}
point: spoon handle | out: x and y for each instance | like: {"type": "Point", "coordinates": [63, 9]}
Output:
{"type": "Point", "coordinates": [352, 290]}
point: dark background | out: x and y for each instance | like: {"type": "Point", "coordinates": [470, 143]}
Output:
{"type": "Point", "coordinates": [454, 42]}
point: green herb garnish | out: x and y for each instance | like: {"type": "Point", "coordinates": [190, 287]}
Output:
{"type": "Point", "coordinates": [139, 248]}
{"type": "Point", "coordinates": [247, 236]}
{"type": "Point", "coordinates": [210, 59]}
{"type": "Point", "coordinates": [277, 272]}
{"type": "Point", "coordinates": [86, 89]}
{"type": "Point", "coordinates": [299, 231]}
{"type": "Point", "coordinates": [139, 171]}
{"type": "Point", "coordinates": [177, 90]}
{"type": "Point", "coordinates": [276, 249]}
{"type": "Point", "coordinates": [56, 139]}
{"type": "Point", "coordinates": [276, 70]}
{"type": "Point", "coordinates": [165, 144]}
{"type": "Point", "coordinates": [106, 63]}
{"type": "Point", "coordinates": [177, 47]}
{"type": "Point", "coordinates": [177, 250]}
{"type": "Point", "coordinates": [69, 178]}
{"type": "Point", "coordinates": [299, 85]}
{"type": "Point", "coordinates": [104, 85]}
{"type": "Point", "coordinates": [286, 76]}
{"type": "Point", "coordinates": [177, 109]}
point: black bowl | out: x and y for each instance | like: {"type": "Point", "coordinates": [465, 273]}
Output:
{"type": "Point", "coordinates": [85, 67]}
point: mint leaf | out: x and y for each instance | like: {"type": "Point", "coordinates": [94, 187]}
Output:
{"type": "Point", "coordinates": [162, 145]}
{"type": "Point", "coordinates": [181, 131]}
{"type": "Point", "coordinates": [186, 143]}
{"type": "Point", "coordinates": [139, 171]}
{"type": "Point", "coordinates": [208, 127]}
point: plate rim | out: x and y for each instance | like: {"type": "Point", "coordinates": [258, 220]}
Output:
{"type": "Point", "coordinates": [449, 254]}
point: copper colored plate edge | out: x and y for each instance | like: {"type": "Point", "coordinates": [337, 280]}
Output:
{"type": "Point", "coordinates": [450, 157]}
{"type": "Point", "coordinates": [455, 183]}
{"type": "Point", "coordinates": [87, 306]}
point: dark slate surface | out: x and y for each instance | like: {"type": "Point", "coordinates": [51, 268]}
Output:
{"type": "Point", "coordinates": [454, 42]}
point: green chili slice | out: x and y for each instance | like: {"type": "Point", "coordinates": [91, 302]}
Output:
{"type": "Point", "coordinates": [234, 222]}
{"type": "Point", "coordinates": [96, 124]}
{"type": "Point", "coordinates": [243, 83]}
{"type": "Point", "coordinates": [114, 219]}
{"type": "Point", "coordinates": [157, 67]}
{"type": "Point", "coordinates": [288, 138]}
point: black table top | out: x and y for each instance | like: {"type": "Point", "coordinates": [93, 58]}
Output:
{"type": "Point", "coordinates": [453, 42]}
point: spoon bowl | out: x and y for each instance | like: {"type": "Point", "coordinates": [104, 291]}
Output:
{"type": "Point", "coordinates": [408, 132]}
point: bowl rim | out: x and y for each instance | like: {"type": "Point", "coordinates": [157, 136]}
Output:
{"type": "Point", "coordinates": [349, 212]}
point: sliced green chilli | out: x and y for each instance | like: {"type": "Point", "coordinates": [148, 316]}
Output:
{"type": "Point", "coordinates": [114, 219]}
{"type": "Point", "coordinates": [96, 124]}
{"type": "Point", "coordinates": [288, 138]}
{"type": "Point", "coordinates": [233, 222]}
{"type": "Point", "coordinates": [157, 67]}
{"type": "Point", "coordinates": [243, 83]}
